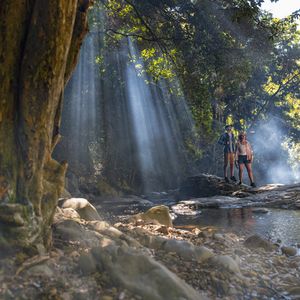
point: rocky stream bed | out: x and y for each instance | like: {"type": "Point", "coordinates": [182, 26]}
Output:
{"type": "Point", "coordinates": [120, 252]}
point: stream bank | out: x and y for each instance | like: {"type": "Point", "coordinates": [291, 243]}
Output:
{"type": "Point", "coordinates": [150, 256]}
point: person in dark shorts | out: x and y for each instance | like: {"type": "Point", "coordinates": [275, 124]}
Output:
{"type": "Point", "coordinates": [244, 157]}
{"type": "Point", "coordinates": [228, 141]}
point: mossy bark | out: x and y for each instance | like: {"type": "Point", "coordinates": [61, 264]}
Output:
{"type": "Point", "coordinates": [40, 40]}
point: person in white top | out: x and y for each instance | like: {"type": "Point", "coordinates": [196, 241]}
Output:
{"type": "Point", "coordinates": [244, 157]}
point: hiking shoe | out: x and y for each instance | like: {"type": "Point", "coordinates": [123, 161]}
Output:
{"type": "Point", "coordinates": [226, 179]}
{"type": "Point", "coordinates": [233, 178]}
{"type": "Point", "coordinates": [253, 184]}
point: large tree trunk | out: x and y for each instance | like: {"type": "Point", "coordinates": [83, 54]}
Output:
{"type": "Point", "coordinates": [40, 40]}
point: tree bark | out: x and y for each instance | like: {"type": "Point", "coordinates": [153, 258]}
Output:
{"type": "Point", "coordinates": [40, 41]}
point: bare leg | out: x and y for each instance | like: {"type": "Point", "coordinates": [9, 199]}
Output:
{"type": "Point", "coordinates": [231, 163]}
{"type": "Point", "coordinates": [250, 173]}
{"type": "Point", "coordinates": [225, 163]}
{"type": "Point", "coordinates": [241, 168]}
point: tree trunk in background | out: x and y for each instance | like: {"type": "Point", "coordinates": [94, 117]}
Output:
{"type": "Point", "coordinates": [40, 40]}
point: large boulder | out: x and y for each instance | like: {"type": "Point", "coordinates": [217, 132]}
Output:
{"type": "Point", "coordinates": [83, 207]}
{"type": "Point", "coordinates": [205, 185]}
{"type": "Point", "coordinates": [158, 214]}
{"type": "Point", "coordinates": [70, 230]}
{"type": "Point", "coordinates": [142, 275]}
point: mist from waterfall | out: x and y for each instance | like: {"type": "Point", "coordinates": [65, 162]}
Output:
{"type": "Point", "coordinates": [136, 126]}
{"type": "Point", "coordinates": [79, 124]}
{"type": "Point", "coordinates": [156, 131]}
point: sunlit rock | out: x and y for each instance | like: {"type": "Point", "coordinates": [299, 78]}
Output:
{"type": "Point", "coordinates": [70, 213]}
{"type": "Point", "coordinates": [159, 214]}
{"type": "Point", "coordinates": [260, 210]}
{"type": "Point", "coordinates": [84, 208]}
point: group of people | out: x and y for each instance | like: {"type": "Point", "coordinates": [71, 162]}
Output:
{"type": "Point", "coordinates": [237, 152]}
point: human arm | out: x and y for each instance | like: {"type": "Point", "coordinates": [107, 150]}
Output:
{"type": "Point", "coordinates": [222, 140]}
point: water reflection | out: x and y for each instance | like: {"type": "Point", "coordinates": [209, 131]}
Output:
{"type": "Point", "coordinates": [277, 224]}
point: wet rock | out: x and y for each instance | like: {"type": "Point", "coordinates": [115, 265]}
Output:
{"type": "Point", "coordinates": [143, 275]}
{"type": "Point", "coordinates": [205, 185]}
{"type": "Point", "coordinates": [208, 202]}
{"type": "Point", "coordinates": [289, 251]}
{"type": "Point", "coordinates": [256, 241]}
{"type": "Point", "coordinates": [84, 208]}
{"type": "Point", "coordinates": [159, 214]}
{"type": "Point", "coordinates": [227, 263]}
{"type": "Point", "coordinates": [260, 210]}
{"type": "Point", "coordinates": [185, 209]}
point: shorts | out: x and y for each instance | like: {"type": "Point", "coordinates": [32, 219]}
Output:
{"type": "Point", "coordinates": [242, 159]}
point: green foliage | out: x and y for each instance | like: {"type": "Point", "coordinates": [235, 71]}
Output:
{"type": "Point", "coordinates": [231, 59]}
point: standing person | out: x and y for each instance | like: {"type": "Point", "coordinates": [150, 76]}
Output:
{"type": "Point", "coordinates": [228, 141]}
{"type": "Point", "coordinates": [244, 156]}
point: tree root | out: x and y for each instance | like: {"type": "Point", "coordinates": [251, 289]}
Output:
{"type": "Point", "coordinates": [35, 260]}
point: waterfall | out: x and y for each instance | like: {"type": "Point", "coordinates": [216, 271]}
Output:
{"type": "Point", "coordinates": [138, 126]}
{"type": "Point", "coordinates": [79, 117]}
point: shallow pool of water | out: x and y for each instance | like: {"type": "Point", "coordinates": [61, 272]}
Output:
{"type": "Point", "coordinates": [277, 224]}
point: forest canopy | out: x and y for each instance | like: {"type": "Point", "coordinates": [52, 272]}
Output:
{"type": "Point", "coordinates": [235, 62]}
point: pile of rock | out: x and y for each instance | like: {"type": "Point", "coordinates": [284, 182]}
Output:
{"type": "Point", "coordinates": [147, 258]}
